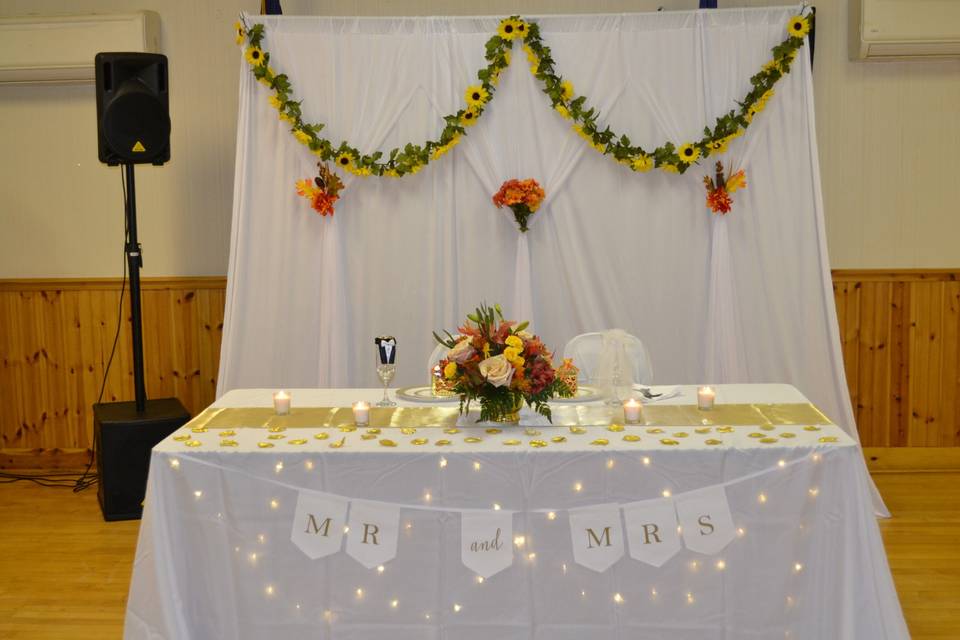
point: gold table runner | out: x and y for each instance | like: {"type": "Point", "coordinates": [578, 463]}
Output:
{"type": "Point", "coordinates": [677, 415]}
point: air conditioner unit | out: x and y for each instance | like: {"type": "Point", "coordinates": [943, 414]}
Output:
{"type": "Point", "coordinates": [62, 48]}
{"type": "Point", "coordinates": [901, 29]}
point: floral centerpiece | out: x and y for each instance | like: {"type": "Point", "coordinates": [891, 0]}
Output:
{"type": "Point", "coordinates": [500, 364]}
{"type": "Point", "coordinates": [522, 196]}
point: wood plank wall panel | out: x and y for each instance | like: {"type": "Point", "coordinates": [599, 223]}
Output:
{"type": "Point", "coordinates": [900, 336]}
{"type": "Point", "coordinates": [899, 332]}
{"type": "Point", "coordinates": [55, 340]}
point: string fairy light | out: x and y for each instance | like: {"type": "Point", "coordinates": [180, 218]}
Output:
{"type": "Point", "coordinates": [666, 493]}
{"type": "Point", "coordinates": [381, 569]}
{"type": "Point", "coordinates": [720, 564]}
{"type": "Point", "coordinates": [618, 598]}
{"type": "Point", "coordinates": [278, 467]}
{"type": "Point", "coordinates": [198, 494]}
{"type": "Point", "coordinates": [174, 463]}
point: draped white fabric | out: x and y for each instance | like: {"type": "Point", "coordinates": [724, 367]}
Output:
{"type": "Point", "coordinates": [740, 298]}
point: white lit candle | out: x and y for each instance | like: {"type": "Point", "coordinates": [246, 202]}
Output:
{"type": "Point", "coordinates": [705, 398]}
{"type": "Point", "coordinates": [361, 413]}
{"type": "Point", "coordinates": [281, 403]}
{"type": "Point", "coordinates": [631, 410]}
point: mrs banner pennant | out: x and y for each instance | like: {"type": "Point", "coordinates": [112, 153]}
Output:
{"type": "Point", "coordinates": [705, 519]}
{"type": "Point", "coordinates": [597, 536]}
{"type": "Point", "coordinates": [318, 524]}
{"type": "Point", "coordinates": [486, 541]}
{"type": "Point", "coordinates": [652, 531]}
{"type": "Point", "coordinates": [372, 539]}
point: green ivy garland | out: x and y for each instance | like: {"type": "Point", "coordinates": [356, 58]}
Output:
{"type": "Point", "coordinates": [410, 158]}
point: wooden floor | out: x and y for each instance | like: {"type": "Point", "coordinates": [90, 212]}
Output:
{"type": "Point", "coordinates": [64, 572]}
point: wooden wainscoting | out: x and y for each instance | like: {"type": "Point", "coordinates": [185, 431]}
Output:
{"type": "Point", "coordinates": [900, 332]}
{"type": "Point", "coordinates": [55, 339]}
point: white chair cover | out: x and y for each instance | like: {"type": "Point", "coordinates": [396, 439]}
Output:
{"type": "Point", "coordinates": [585, 350]}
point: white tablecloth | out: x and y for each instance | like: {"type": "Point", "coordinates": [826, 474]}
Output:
{"type": "Point", "coordinates": [215, 557]}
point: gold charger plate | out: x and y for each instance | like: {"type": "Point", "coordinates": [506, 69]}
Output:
{"type": "Point", "coordinates": [585, 393]}
{"type": "Point", "coordinates": [424, 394]}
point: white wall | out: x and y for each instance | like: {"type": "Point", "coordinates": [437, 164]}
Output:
{"type": "Point", "coordinates": [887, 135]}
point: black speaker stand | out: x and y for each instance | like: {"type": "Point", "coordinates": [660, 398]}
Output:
{"type": "Point", "coordinates": [125, 432]}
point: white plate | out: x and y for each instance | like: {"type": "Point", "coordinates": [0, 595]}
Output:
{"type": "Point", "coordinates": [584, 394]}
{"type": "Point", "coordinates": [424, 394]}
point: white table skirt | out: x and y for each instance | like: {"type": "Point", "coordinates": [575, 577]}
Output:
{"type": "Point", "coordinates": [215, 557]}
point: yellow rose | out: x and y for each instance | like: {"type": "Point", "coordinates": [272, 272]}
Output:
{"type": "Point", "coordinates": [450, 371]}
{"type": "Point", "coordinates": [511, 353]}
{"type": "Point", "coordinates": [514, 341]}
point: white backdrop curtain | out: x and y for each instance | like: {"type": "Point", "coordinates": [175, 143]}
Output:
{"type": "Point", "coordinates": [741, 298]}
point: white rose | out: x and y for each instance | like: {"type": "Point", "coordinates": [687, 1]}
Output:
{"type": "Point", "coordinates": [497, 371]}
{"type": "Point", "coordinates": [525, 335]}
{"type": "Point", "coordinates": [461, 352]}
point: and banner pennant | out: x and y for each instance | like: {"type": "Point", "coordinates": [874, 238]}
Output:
{"type": "Point", "coordinates": [486, 541]}
{"type": "Point", "coordinates": [596, 535]}
{"type": "Point", "coordinates": [318, 524]}
{"type": "Point", "coordinates": [372, 539]}
{"type": "Point", "coordinates": [652, 531]}
{"type": "Point", "coordinates": [705, 519]}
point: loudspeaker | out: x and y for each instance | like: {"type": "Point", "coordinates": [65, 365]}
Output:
{"type": "Point", "coordinates": [123, 439]}
{"type": "Point", "coordinates": [133, 108]}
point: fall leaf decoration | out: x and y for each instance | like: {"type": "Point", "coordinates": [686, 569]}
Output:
{"type": "Point", "coordinates": [719, 191]}
{"type": "Point", "coordinates": [323, 191]}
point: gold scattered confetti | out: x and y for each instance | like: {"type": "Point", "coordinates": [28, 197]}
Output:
{"type": "Point", "coordinates": [616, 428]}
{"type": "Point", "coordinates": [756, 434]}
{"type": "Point", "coordinates": [276, 436]}
{"type": "Point", "coordinates": [181, 438]}
{"type": "Point", "coordinates": [702, 430]}
{"type": "Point", "coordinates": [531, 432]}
{"type": "Point", "coordinates": [473, 439]}
{"type": "Point", "coordinates": [419, 441]}
{"type": "Point", "coordinates": [766, 427]}
{"type": "Point", "coordinates": [198, 429]}
{"type": "Point", "coordinates": [339, 443]}
{"type": "Point", "coordinates": [368, 436]}
{"type": "Point", "coordinates": [811, 428]}
{"type": "Point", "coordinates": [374, 430]}
{"type": "Point", "coordinates": [724, 429]}
{"type": "Point", "coordinates": [226, 433]}
{"type": "Point", "coordinates": [442, 443]}
{"type": "Point", "coordinates": [387, 443]}
{"type": "Point", "coordinates": [511, 442]}
{"type": "Point", "coordinates": [347, 429]}
{"type": "Point", "coordinates": [713, 441]}
{"type": "Point", "coordinates": [265, 445]}
{"type": "Point", "coordinates": [668, 441]}
{"type": "Point", "coordinates": [196, 443]}
{"type": "Point", "coordinates": [323, 435]}
{"type": "Point", "coordinates": [788, 434]}
{"type": "Point", "coordinates": [276, 429]}
{"type": "Point", "coordinates": [297, 441]}
{"type": "Point", "coordinates": [655, 430]}
{"type": "Point", "coordinates": [681, 434]}
{"type": "Point", "coordinates": [602, 442]}
{"type": "Point", "coordinates": [577, 430]}
{"type": "Point", "coordinates": [631, 437]}
{"type": "Point", "coordinates": [537, 444]}
{"type": "Point", "coordinates": [826, 439]}
{"type": "Point", "coordinates": [451, 430]}
{"type": "Point", "coordinates": [228, 443]}
{"type": "Point", "coordinates": [408, 431]}
{"type": "Point", "coordinates": [494, 430]}
{"type": "Point", "coordinates": [558, 439]}
{"type": "Point", "coordinates": [768, 440]}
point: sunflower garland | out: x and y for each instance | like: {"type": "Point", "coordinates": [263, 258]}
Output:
{"type": "Point", "coordinates": [585, 121]}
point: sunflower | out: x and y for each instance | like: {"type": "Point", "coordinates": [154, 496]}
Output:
{"type": "Point", "coordinates": [718, 146]}
{"type": "Point", "coordinates": [508, 29]}
{"type": "Point", "coordinates": [521, 28]}
{"type": "Point", "coordinates": [276, 102]}
{"type": "Point", "coordinates": [566, 90]}
{"type": "Point", "coordinates": [302, 136]}
{"type": "Point", "coordinates": [563, 111]}
{"type": "Point", "coordinates": [469, 117]}
{"type": "Point", "coordinates": [688, 153]}
{"type": "Point", "coordinates": [476, 95]}
{"type": "Point", "coordinates": [241, 34]}
{"type": "Point", "coordinates": [345, 161]}
{"type": "Point", "coordinates": [254, 56]}
{"type": "Point", "coordinates": [752, 111]}
{"type": "Point", "coordinates": [670, 168]}
{"type": "Point", "coordinates": [391, 173]}
{"type": "Point", "coordinates": [798, 26]}
{"type": "Point", "coordinates": [642, 163]}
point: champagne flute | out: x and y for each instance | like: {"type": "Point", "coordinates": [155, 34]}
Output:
{"type": "Point", "coordinates": [386, 365]}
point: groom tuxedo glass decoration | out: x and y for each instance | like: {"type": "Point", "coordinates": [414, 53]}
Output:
{"type": "Point", "coordinates": [387, 346]}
